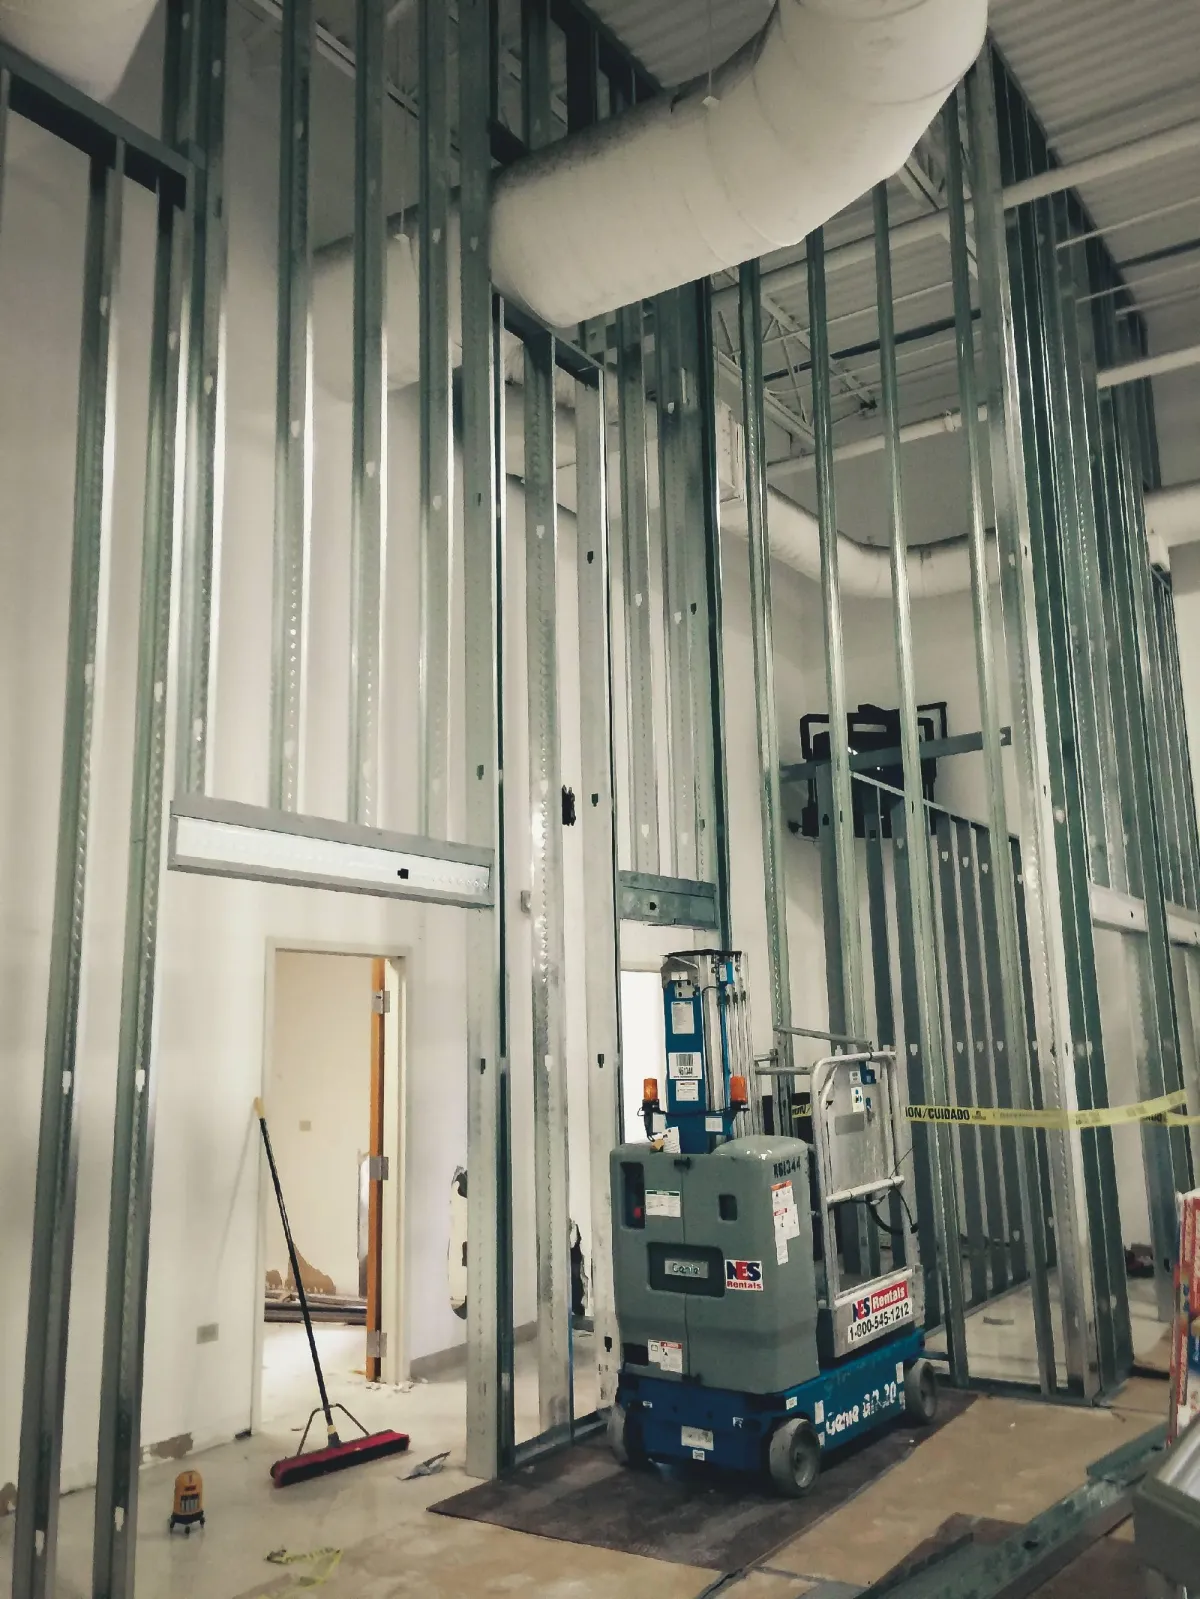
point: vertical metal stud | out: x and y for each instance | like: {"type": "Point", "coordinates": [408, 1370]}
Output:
{"type": "Point", "coordinates": [437, 423]}
{"type": "Point", "coordinates": [293, 412]}
{"type": "Point", "coordinates": [368, 537]}
{"type": "Point", "coordinates": [203, 74]}
{"type": "Point", "coordinates": [551, 1203]}
{"type": "Point", "coordinates": [770, 799]}
{"type": "Point", "coordinates": [1011, 1230]}
{"type": "Point", "coordinates": [36, 1531]}
{"type": "Point", "coordinates": [602, 928]}
{"type": "Point", "coordinates": [920, 885]}
{"type": "Point", "coordinates": [5, 90]}
{"type": "Point", "coordinates": [713, 843]}
{"type": "Point", "coordinates": [1009, 1002]}
{"type": "Point", "coordinates": [841, 799]}
{"type": "Point", "coordinates": [676, 399]}
{"type": "Point", "coordinates": [489, 1392]}
{"type": "Point", "coordinates": [1048, 956]}
{"type": "Point", "coordinates": [635, 550]}
{"type": "Point", "coordinates": [119, 1455]}
{"type": "Point", "coordinates": [972, 885]}
{"type": "Point", "coordinates": [904, 847]}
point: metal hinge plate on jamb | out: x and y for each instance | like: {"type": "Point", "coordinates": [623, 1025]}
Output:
{"type": "Point", "coordinates": [378, 1168]}
{"type": "Point", "coordinates": [376, 1344]}
{"type": "Point", "coordinates": [381, 1002]}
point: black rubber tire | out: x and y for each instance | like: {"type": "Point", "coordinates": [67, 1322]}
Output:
{"type": "Point", "coordinates": [920, 1392]}
{"type": "Point", "coordinates": [794, 1457]}
{"type": "Point", "coordinates": [624, 1436]}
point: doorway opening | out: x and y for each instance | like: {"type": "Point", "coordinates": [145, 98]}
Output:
{"type": "Point", "coordinates": [333, 1091]}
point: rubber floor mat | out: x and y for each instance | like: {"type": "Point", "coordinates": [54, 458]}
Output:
{"type": "Point", "coordinates": [691, 1515]}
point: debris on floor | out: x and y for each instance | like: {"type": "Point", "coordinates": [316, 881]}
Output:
{"type": "Point", "coordinates": [323, 1563]}
{"type": "Point", "coordinates": [430, 1467]}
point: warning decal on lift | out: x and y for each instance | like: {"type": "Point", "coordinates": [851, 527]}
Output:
{"type": "Point", "coordinates": [696, 1439]}
{"type": "Point", "coordinates": [688, 1090]}
{"type": "Point", "coordinates": [666, 1354]}
{"type": "Point", "coordinates": [683, 1016]}
{"type": "Point", "coordinates": [683, 1063]}
{"type": "Point", "coordinates": [886, 1307]}
{"type": "Point", "coordinates": [663, 1202]}
{"type": "Point", "coordinates": [785, 1217]}
{"type": "Point", "coordinates": [745, 1276]}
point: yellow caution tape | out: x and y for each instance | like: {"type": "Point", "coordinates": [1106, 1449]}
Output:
{"type": "Point", "coordinates": [324, 1563]}
{"type": "Point", "coordinates": [1163, 1110]}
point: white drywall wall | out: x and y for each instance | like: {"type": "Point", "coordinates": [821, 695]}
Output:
{"type": "Point", "coordinates": [318, 1104]}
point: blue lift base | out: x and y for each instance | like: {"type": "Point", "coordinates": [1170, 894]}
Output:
{"type": "Point", "coordinates": [671, 1421]}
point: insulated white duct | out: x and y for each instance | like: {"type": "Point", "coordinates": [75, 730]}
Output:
{"type": "Point", "coordinates": [88, 42]}
{"type": "Point", "coordinates": [826, 101]}
{"type": "Point", "coordinates": [864, 570]}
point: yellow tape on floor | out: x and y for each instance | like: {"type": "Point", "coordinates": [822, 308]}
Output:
{"type": "Point", "coordinates": [1163, 1110]}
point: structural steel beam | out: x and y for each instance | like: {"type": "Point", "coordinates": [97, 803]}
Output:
{"type": "Point", "coordinates": [293, 414]}
{"type": "Point", "coordinates": [369, 446]}
{"type": "Point", "coordinates": [36, 1534]}
{"type": "Point", "coordinates": [1127, 157]}
{"type": "Point", "coordinates": [1148, 366]}
{"type": "Point", "coordinates": [1011, 1040]}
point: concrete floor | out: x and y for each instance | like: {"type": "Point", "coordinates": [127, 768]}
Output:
{"type": "Point", "coordinates": [1002, 1458]}
{"type": "Point", "coordinates": [1000, 1336]}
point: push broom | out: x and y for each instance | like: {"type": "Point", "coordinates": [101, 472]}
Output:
{"type": "Point", "coordinates": [336, 1455]}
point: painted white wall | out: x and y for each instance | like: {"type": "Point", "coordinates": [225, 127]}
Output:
{"type": "Point", "coordinates": [318, 1104]}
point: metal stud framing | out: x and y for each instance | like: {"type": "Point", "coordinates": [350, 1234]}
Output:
{"type": "Point", "coordinates": [119, 1453]}
{"type": "Point", "coordinates": [437, 437]}
{"type": "Point", "coordinates": [1013, 1060]}
{"type": "Point", "coordinates": [489, 1306]}
{"type": "Point", "coordinates": [845, 950]}
{"type": "Point", "coordinates": [54, 1203]}
{"type": "Point", "coordinates": [770, 799]}
{"type": "Point", "coordinates": [920, 886]}
{"type": "Point", "coordinates": [368, 539]}
{"type": "Point", "coordinates": [293, 416]}
{"type": "Point", "coordinates": [1093, 1358]}
{"type": "Point", "coordinates": [551, 1205]}
{"type": "Point", "coordinates": [635, 551]}
{"type": "Point", "coordinates": [601, 949]}
{"type": "Point", "coordinates": [202, 124]}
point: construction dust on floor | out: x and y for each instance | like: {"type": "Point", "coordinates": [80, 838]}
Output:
{"type": "Point", "coordinates": [1001, 1460]}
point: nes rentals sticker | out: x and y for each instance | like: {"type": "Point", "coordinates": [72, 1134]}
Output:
{"type": "Point", "coordinates": [666, 1354]}
{"type": "Point", "coordinates": [886, 1307]}
{"type": "Point", "coordinates": [744, 1276]}
{"type": "Point", "coordinates": [696, 1439]}
{"type": "Point", "coordinates": [663, 1202]}
{"type": "Point", "coordinates": [683, 1063]}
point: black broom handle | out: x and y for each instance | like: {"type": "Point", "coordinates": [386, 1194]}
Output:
{"type": "Point", "coordinates": [260, 1111]}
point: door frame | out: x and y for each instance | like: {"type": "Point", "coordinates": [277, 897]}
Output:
{"type": "Point", "coordinates": [395, 1253]}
